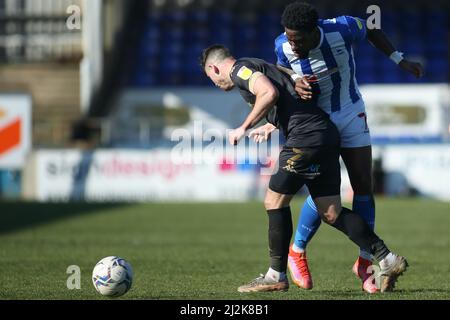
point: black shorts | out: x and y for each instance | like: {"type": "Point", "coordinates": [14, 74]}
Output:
{"type": "Point", "coordinates": [318, 168]}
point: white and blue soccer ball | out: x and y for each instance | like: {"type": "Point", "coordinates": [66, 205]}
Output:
{"type": "Point", "coordinates": [112, 276]}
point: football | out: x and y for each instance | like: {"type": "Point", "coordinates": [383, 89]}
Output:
{"type": "Point", "coordinates": [112, 276]}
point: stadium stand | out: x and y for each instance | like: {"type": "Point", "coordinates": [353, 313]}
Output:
{"type": "Point", "coordinates": [40, 55]}
{"type": "Point", "coordinates": [177, 31]}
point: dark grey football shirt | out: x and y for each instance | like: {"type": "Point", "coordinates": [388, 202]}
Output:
{"type": "Point", "coordinates": [302, 122]}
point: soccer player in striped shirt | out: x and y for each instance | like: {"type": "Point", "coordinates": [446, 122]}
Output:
{"type": "Point", "coordinates": [318, 55]}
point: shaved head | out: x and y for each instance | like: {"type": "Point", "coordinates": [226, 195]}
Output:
{"type": "Point", "coordinates": [214, 55]}
{"type": "Point", "coordinates": [217, 62]}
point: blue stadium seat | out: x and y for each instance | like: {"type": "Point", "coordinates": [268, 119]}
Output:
{"type": "Point", "coordinates": [172, 42]}
{"type": "Point", "coordinates": [266, 54]}
{"type": "Point", "coordinates": [364, 50]}
{"type": "Point", "coordinates": [437, 69]}
{"type": "Point", "coordinates": [414, 49]}
{"type": "Point", "coordinates": [170, 64]}
{"type": "Point", "coordinates": [220, 20]}
{"type": "Point", "coordinates": [224, 36]}
{"type": "Point", "coordinates": [177, 16]}
{"type": "Point", "coordinates": [365, 77]}
{"type": "Point", "coordinates": [171, 48]}
{"type": "Point", "coordinates": [363, 64]}
{"type": "Point", "coordinates": [175, 33]}
{"type": "Point", "coordinates": [437, 45]}
{"type": "Point", "coordinates": [149, 49]}
{"type": "Point", "coordinates": [144, 79]}
{"type": "Point", "coordinates": [245, 29]}
{"type": "Point", "coordinates": [389, 76]}
{"type": "Point", "coordinates": [152, 34]}
{"type": "Point", "coordinates": [198, 16]}
{"type": "Point", "coordinates": [410, 22]}
{"type": "Point", "coordinates": [194, 76]}
{"type": "Point", "coordinates": [435, 26]}
{"type": "Point", "coordinates": [197, 35]}
{"type": "Point", "coordinates": [194, 50]}
{"type": "Point", "coordinates": [388, 19]}
{"type": "Point", "coordinates": [388, 26]}
{"type": "Point", "coordinates": [266, 36]}
{"type": "Point", "coordinates": [438, 17]}
{"type": "Point", "coordinates": [149, 65]}
{"type": "Point", "coordinates": [154, 19]}
{"type": "Point", "coordinates": [269, 19]}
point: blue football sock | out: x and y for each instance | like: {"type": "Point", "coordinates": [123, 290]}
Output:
{"type": "Point", "coordinates": [309, 222]}
{"type": "Point", "coordinates": [365, 207]}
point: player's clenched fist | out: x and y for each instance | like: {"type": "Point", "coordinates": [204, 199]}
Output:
{"type": "Point", "coordinates": [414, 68]}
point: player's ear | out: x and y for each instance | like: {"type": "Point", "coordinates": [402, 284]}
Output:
{"type": "Point", "coordinates": [216, 70]}
{"type": "Point", "coordinates": [210, 68]}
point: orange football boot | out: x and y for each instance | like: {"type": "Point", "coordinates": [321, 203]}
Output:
{"type": "Point", "coordinates": [361, 270]}
{"type": "Point", "coordinates": [298, 268]}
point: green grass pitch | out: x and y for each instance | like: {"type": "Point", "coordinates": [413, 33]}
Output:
{"type": "Point", "coordinates": [206, 250]}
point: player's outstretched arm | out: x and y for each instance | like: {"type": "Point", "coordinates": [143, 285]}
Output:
{"type": "Point", "coordinates": [380, 41]}
{"type": "Point", "coordinates": [266, 96]}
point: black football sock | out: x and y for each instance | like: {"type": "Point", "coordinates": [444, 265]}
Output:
{"type": "Point", "coordinates": [354, 226]}
{"type": "Point", "coordinates": [280, 233]}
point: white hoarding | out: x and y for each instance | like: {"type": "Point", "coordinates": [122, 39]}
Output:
{"type": "Point", "coordinates": [408, 113]}
{"type": "Point", "coordinates": [424, 169]}
{"type": "Point", "coordinates": [132, 175]}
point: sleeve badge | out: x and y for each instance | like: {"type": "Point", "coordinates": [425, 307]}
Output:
{"type": "Point", "coordinates": [244, 73]}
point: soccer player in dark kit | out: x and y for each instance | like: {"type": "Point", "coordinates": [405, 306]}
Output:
{"type": "Point", "coordinates": [309, 157]}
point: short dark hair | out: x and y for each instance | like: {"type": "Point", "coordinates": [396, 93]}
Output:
{"type": "Point", "coordinates": [300, 16]}
{"type": "Point", "coordinates": [219, 51]}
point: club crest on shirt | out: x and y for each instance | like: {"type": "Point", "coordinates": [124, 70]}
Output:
{"type": "Point", "coordinates": [244, 73]}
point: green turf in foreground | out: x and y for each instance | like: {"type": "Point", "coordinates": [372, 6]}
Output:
{"type": "Point", "coordinates": [205, 251]}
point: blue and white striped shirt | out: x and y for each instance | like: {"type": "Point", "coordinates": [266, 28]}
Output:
{"type": "Point", "coordinates": [331, 62]}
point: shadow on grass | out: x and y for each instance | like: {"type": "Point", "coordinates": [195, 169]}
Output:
{"type": "Point", "coordinates": [427, 290]}
{"type": "Point", "coordinates": [19, 215]}
{"type": "Point", "coordinates": [397, 294]}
